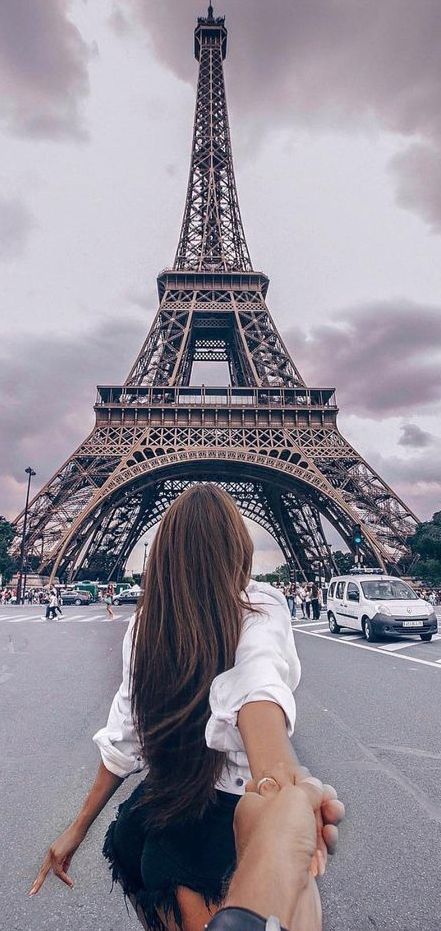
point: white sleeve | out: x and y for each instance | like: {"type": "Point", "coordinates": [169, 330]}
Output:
{"type": "Point", "coordinates": [118, 741]}
{"type": "Point", "coordinates": [267, 668]}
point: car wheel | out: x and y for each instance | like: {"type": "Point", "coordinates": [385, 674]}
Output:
{"type": "Point", "coordinates": [333, 626]}
{"type": "Point", "coordinates": [116, 602]}
{"type": "Point", "coordinates": [426, 637]}
{"type": "Point", "coordinates": [78, 601]}
{"type": "Point", "coordinates": [368, 631]}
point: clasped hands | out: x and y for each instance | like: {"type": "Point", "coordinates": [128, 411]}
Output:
{"type": "Point", "coordinates": [319, 799]}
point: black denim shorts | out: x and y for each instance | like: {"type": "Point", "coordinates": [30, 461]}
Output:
{"type": "Point", "coordinates": [151, 866]}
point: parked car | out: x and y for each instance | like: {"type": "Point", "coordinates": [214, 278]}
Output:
{"type": "Point", "coordinates": [378, 605]}
{"type": "Point", "coordinates": [129, 597]}
{"type": "Point", "coordinates": [71, 596]}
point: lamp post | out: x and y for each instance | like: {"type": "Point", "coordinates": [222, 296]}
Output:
{"type": "Point", "coordinates": [20, 588]}
{"type": "Point", "coordinates": [145, 558]}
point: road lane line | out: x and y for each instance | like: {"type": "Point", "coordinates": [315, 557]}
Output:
{"type": "Point", "coordinates": [310, 623]}
{"type": "Point", "coordinates": [363, 646]}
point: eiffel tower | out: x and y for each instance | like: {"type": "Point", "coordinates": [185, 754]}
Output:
{"type": "Point", "coordinates": [266, 437]}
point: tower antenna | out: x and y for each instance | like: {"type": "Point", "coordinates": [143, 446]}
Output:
{"type": "Point", "coordinates": [210, 11]}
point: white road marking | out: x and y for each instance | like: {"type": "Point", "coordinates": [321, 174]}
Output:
{"type": "Point", "coordinates": [310, 623]}
{"type": "Point", "coordinates": [68, 617]}
{"type": "Point", "coordinates": [408, 643]}
{"type": "Point", "coordinates": [392, 647]}
{"type": "Point", "coordinates": [364, 646]}
{"type": "Point", "coordinates": [21, 617]}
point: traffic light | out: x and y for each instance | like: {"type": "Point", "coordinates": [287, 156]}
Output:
{"type": "Point", "coordinates": [357, 535]}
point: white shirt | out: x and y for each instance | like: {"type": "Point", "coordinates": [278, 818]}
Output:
{"type": "Point", "coordinates": [266, 668]}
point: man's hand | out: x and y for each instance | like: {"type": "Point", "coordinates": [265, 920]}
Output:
{"type": "Point", "coordinates": [59, 856]}
{"type": "Point", "coordinates": [329, 811]}
{"type": "Point", "coordinates": [276, 843]}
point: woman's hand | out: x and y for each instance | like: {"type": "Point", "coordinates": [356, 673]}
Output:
{"type": "Point", "coordinates": [59, 856]}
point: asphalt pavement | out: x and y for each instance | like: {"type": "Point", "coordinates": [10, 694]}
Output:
{"type": "Point", "coordinates": [369, 721]}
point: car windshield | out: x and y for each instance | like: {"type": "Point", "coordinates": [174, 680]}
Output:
{"type": "Point", "coordinates": [388, 590]}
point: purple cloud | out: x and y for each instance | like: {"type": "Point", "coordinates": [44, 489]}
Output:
{"type": "Point", "coordinates": [383, 358]}
{"type": "Point", "coordinates": [47, 385]}
{"type": "Point", "coordinates": [43, 70]}
{"type": "Point", "coordinates": [16, 222]}
{"type": "Point", "coordinates": [412, 435]}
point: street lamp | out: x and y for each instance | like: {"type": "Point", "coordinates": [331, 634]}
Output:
{"type": "Point", "coordinates": [20, 589]}
{"type": "Point", "coordinates": [145, 558]}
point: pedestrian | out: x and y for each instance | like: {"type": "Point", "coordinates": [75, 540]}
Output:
{"type": "Point", "coordinates": [208, 660]}
{"type": "Point", "coordinates": [59, 601]}
{"type": "Point", "coordinates": [51, 606]}
{"type": "Point", "coordinates": [302, 596]}
{"type": "Point", "coordinates": [293, 600]}
{"type": "Point", "coordinates": [108, 598]}
{"type": "Point", "coordinates": [315, 601]}
{"type": "Point", "coordinates": [308, 600]}
{"type": "Point", "coordinates": [289, 598]}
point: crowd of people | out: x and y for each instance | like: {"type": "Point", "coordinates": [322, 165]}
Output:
{"type": "Point", "coordinates": [32, 596]}
{"type": "Point", "coordinates": [305, 600]}
{"type": "Point", "coordinates": [50, 597]}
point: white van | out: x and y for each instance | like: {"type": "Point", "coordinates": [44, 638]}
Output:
{"type": "Point", "coordinates": [378, 605]}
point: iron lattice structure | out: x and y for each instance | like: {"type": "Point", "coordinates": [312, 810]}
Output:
{"type": "Point", "coordinates": [269, 439]}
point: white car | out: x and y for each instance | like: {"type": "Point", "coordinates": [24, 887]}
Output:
{"type": "Point", "coordinates": [378, 605]}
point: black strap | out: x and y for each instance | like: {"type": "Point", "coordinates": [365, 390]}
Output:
{"type": "Point", "coordinates": [237, 919]}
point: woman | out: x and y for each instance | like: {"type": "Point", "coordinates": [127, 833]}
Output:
{"type": "Point", "coordinates": [315, 601]}
{"type": "Point", "coordinates": [206, 702]}
{"type": "Point", "coordinates": [108, 598]}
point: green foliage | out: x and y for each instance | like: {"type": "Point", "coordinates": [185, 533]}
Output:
{"type": "Point", "coordinates": [426, 546]}
{"type": "Point", "coordinates": [343, 561]}
{"type": "Point", "coordinates": [7, 564]}
{"type": "Point", "coordinates": [279, 574]}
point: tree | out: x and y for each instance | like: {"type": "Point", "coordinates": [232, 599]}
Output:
{"type": "Point", "coordinates": [279, 574]}
{"type": "Point", "coordinates": [7, 564]}
{"type": "Point", "coordinates": [426, 547]}
{"type": "Point", "coordinates": [343, 561]}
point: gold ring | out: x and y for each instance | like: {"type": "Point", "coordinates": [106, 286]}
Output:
{"type": "Point", "coordinates": [266, 779]}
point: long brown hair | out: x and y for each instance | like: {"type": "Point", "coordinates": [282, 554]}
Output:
{"type": "Point", "coordinates": [186, 632]}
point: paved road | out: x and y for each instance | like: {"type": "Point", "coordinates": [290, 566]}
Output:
{"type": "Point", "coordinates": [369, 720]}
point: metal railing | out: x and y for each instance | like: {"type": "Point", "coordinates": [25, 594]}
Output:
{"type": "Point", "coordinates": [206, 396]}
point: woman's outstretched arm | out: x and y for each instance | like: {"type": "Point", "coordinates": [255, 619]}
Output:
{"type": "Point", "coordinates": [262, 726]}
{"type": "Point", "coordinates": [61, 851]}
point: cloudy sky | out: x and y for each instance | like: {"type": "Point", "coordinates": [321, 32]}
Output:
{"type": "Point", "coordinates": [336, 121]}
